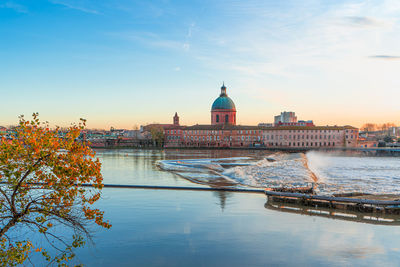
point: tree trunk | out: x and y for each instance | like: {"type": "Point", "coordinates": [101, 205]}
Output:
{"type": "Point", "coordinates": [10, 224]}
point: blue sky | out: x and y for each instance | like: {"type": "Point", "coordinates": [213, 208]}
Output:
{"type": "Point", "coordinates": [123, 63]}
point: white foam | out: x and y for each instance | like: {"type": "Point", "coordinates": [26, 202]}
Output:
{"type": "Point", "coordinates": [335, 174]}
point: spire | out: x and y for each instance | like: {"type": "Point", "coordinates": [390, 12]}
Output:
{"type": "Point", "coordinates": [176, 119]}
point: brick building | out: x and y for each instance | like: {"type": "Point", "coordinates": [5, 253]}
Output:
{"type": "Point", "coordinates": [223, 132]}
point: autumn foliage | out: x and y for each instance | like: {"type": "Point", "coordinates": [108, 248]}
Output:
{"type": "Point", "coordinates": [42, 171]}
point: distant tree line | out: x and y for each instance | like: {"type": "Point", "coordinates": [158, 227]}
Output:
{"type": "Point", "coordinates": [372, 127]}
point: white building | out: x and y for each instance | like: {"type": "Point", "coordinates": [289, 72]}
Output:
{"type": "Point", "coordinates": [285, 117]}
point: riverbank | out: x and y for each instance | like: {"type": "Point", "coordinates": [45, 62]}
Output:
{"type": "Point", "coordinates": [355, 150]}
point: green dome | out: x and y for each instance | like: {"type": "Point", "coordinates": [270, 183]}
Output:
{"type": "Point", "coordinates": [223, 102]}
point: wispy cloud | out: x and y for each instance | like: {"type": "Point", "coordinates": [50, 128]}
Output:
{"type": "Point", "coordinates": [152, 39]}
{"type": "Point", "coordinates": [385, 57]}
{"type": "Point", "coordinates": [75, 6]}
{"type": "Point", "coordinates": [16, 7]}
{"type": "Point", "coordinates": [362, 21]}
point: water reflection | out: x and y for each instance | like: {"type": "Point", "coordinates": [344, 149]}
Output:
{"type": "Point", "coordinates": [169, 228]}
{"type": "Point", "coordinates": [222, 196]}
{"type": "Point", "coordinates": [346, 215]}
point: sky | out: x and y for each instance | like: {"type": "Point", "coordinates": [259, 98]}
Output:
{"type": "Point", "coordinates": [124, 63]}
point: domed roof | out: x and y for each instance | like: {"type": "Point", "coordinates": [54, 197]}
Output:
{"type": "Point", "coordinates": [223, 101]}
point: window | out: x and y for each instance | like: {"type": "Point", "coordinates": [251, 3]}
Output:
{"type": "Point", "coordinates": [217, 118]}
{"type": "Point", "coordinates": [226, 118]}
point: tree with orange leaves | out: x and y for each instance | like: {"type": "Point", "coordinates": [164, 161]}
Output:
{"type": "Point", "coordinates": [42, 173]}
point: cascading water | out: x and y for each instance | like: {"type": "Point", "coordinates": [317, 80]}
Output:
{"type": "Point", "coordinates": [330, 173]}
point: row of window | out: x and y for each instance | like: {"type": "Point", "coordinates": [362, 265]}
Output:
{"type": "Point", "coordinates": [172, 137]}
{"type": "Point", "coordinates": [304, 144]}
{"type": "Point", "coordinates": [290, 144]}
{"type": "Point", "coordinates": [217, 138]}
{"type": "Point", "coordinates": [257, 138]}
{"type": "Point", "coordinates": [310, 131]}
{"type": "Point", "coordinates": [250, 131]}
{"type": "Point", "coordinates": [298, 137]}
{"type": "Point", "coordinates": [214, 132]}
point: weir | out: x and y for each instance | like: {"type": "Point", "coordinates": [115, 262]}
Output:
{"type": "Point", "coordinates": [186, 188]}
{"type": "Point", "coordinates": [285, 195]}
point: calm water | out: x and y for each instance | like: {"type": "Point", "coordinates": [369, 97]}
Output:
{"type": "Point", "coordinates": [186, 228]}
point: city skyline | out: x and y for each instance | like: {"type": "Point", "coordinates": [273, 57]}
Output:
{"type": "Point", "coordinates": [122, 64]}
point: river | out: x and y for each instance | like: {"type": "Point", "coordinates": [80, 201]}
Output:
{"type": "Point", "coordinates": [191, 228]}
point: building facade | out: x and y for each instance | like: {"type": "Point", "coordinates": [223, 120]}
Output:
{"type": "Point", "coordinates": [287, 133]}
{"type": "Point", "coordinates": [255, 136]}
{"type": "Point", "coordinates": [311, 136]}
